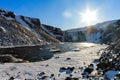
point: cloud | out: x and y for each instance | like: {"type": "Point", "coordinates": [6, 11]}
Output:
{"type": "Point", "coordinates": [67, 14]}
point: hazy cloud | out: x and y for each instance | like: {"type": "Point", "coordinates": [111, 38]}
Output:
{"type": "Point", "coordinates": [67, 14]}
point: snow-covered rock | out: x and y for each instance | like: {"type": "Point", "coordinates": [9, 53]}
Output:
{"type": "Point", "coordinates": [110, 58]}
{"type": "Point", "coordinates": [105, 32]}
{"type": "Point", "coordinates": [22, 30]}
{"type": "Point", "coordinates": [108, 65]}
{"type": "Point", "coordinates": [53, 31]}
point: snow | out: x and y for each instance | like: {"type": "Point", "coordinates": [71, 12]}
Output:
{"type": "Point", "coordinates": [18, 19]}
{"type": "Point", "coordinates": [94, 37]}
{"type": "Point", "coordinates": [104, 25]}
{"type": "Point", "coordinates": [28, 20]}
{"type": "Point", "coordinates": [9, 18]}
{"type": "Point", "coordinates": [47, 31]}
{"type": "Point", "coordinates": [77, 59]}
{"type": "Point", "coordinates": [77, 29]}
{"type": "Point", "coordinates": [3, 29]}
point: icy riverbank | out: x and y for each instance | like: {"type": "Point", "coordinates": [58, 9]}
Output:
{"type": "Point", "coordinates": [59, 67]}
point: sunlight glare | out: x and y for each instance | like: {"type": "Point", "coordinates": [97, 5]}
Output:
{"type": "Point", "coordinates": [89, 16]}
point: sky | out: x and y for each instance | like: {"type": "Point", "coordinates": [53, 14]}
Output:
{"type": "Point", "coordinates": [64, 14]}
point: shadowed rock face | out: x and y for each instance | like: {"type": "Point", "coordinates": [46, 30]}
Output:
{"type": "Point", "coordinates": [21, 30]}
{"type": "Point", "coordinates": [25, 53]}
{"type": "Point", "coordinates": [105, 32]}
{"type": "Point", "coordinates": [12, 33]}
{"type": "Point", "coordinates": [77, 36]}
{"type": "Point", "coordinates": [7, 13]}
{"type": "Point", "coordinates": [57, 32]}
{"type": "Point", "coordinates": [112, 34]}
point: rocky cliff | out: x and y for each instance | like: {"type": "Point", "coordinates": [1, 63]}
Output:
{"type": "Point", "coordinates": [53, 31]}
{"type": "Point", "coordinates": [22, 30]}
{"type": "Point", "coordinates": [105, 32]}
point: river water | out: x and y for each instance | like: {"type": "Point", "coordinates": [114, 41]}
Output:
{"type": "Point", "coordinates": [40, 53]}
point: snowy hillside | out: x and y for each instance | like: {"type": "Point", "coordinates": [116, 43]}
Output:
{"type": "Point", "coordinates": [105, 32]}
{"type": "Point", "coordinates": [53, 31]}
{"type": "Point", "coordinates": [21, 30]}
{"type": "Point", "coordinates": [99, 33]}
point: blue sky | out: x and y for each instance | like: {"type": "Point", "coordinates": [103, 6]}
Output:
{"type": "Point", "coordinates": [63, 13]}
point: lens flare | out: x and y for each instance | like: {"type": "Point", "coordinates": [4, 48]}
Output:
{"type": "Point", "coordinates": [89, 16]}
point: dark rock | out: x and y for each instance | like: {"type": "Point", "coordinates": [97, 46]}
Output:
{"type": "Point", "coordinates": [75, 72]}
{"type": "Point", "coordinates": [41, 74]}
{"type": "Point", "coordinates": [118, 76]}
{"type": "Point", "coordinates": [68, 58]}
{"type": "Point", "coordinates": [71, 68]}
{"type": "Point", "coordinates": [7, 13]}
{"type": "Point", "coordinates": [47, 65]}
{"type": "Point", "coordinates": [69, 78]}
{"type": "Point", "coordinates": [11, 78]}
{"type": "Point", "coordinates": [8, 58]}
{"type": "Point", "coordinates": [81, 69]}
{"type": "Point", "coordinates": [84, 63]}
{"type": "Point", "coordinates": [68, 70]}
{"type": "Point", "coordinates": [52, 75]}
{"type": "Point", "coordinates": [91, 66]}
{"type": "Point", "coordinates": [89, 70]}
{"type": "Point", "coordinates": [57, 57]}
{"type": "Point", "coordinates": [62, 69]}
{"type": "Point", "coordinates": [45, 77]}
{"type": "Point", "coordinates": [71, 75]}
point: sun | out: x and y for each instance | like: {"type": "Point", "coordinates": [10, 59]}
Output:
{"type": "Point", "coordinates": [89, 16]}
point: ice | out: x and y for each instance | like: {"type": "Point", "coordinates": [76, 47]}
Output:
{"type": "Point", "coordinates": [52, 66]}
